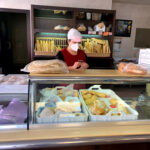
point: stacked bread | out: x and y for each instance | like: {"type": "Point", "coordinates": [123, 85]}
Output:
{"type": "Point", "coordinates": [46, 66]}
{"type": "Point", "coordinates": [131, 68]}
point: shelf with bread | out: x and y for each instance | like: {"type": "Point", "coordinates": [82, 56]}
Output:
{"type": "Point", "coordinates": [93, 47]}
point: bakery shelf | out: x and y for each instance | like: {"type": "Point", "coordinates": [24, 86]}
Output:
{"type": "Point", "coordinates": [48, 31]}
{"type": "Point", "coordinates": [66, 19]}
{"type": "Point", "coordinates": [40, 53]}
{"type": "Point", "coordinates": [49, 14]}
{"type": "Point", "coordinates": [59, 33]}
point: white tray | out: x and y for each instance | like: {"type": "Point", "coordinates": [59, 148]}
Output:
{"type": "Point", "coordinates": [55, 119]}
{"type": "Point", "coordinates": [132, 116]}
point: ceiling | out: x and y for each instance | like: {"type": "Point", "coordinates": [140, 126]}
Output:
{"type": "Point", "coordinates": [146, 2]}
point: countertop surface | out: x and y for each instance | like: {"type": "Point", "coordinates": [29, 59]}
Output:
{"type": "Point", "coordinates": [56, 135]}
{"type": "Point", "coordinates": [92, 73]}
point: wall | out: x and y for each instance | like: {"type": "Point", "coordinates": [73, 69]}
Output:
{"type": "Point", "coordinates": [139, 14]}
{"type": "Point", "coordinates": [26, 4]}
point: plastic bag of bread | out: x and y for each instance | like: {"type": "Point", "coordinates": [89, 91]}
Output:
{"type": "Point", "coordinates": [46, 66]}
{"type": "Point", "coordinates": [131, 68]}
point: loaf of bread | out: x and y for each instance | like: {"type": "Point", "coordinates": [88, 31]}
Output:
{"type": "Point", "coordinates": [131, 68]}
{"type": "Point", "coordinates": [46, 66]}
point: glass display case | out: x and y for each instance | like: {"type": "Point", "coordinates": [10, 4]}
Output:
{"type": "Point", "coordinates": [89, 98]}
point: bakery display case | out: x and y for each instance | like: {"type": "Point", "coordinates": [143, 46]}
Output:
{"type": "Point", "coordinates": [81, 97]}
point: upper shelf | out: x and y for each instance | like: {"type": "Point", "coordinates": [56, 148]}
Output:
{"type": "Point", "coordinates": [53, 14]}
{"type": "Point", "coordinates": [47, 33]}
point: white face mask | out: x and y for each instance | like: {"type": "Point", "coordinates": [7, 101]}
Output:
{"type": "Point", "coordinates": [75, 47]}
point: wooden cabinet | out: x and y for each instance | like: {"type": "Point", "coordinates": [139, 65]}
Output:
{"type": "Point", "coordinates": [51, 24]}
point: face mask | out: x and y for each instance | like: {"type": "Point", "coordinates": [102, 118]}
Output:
{"type": "Point", "coordinates": [75, 47]}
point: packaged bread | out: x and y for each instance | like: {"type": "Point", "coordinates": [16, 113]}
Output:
{"type": "Point", "coordinates": [46, 66]}
{"type": "Point", "coordinates": [131, 68]}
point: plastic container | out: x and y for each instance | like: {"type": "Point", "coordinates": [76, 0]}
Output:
{"type": "Point", "coordinates": [108, 117]}
{"type": "Point", "coordinates": [83, 117]}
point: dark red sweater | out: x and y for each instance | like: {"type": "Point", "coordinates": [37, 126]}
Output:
{"type": "Point", "coordinates": [69, 58]}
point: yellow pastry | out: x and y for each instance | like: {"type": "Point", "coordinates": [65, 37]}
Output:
{"type": "Point", "coordinates": [101, 94]}
{"type": "Point", "coordinates": [84, 92]}
{"type": "Point", "coordinates": [113, 101]}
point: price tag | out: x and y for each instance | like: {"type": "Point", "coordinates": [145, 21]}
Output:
{"type": "Point", "coordinates": [144, 58]}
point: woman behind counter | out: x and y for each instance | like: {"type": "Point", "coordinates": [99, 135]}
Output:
{"type": "Point", "coordinates": [72, 55]}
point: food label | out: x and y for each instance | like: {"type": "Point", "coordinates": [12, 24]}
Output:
{"type": "Point", "coordinates": [144, 57]}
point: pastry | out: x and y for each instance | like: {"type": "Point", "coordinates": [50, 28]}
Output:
{"type": "Point", "coordinates": [84, 92]}
{"type": "Point", "coordinates": [81, 27]}
{"type": "Point", "coordinates": [98, 108]}
{"type": "Point", "coordinates": [58, 27]}
{"type": "Point", "coordinates": [113, 101]}
{"type": "Point", "coordinates": [101, 94]}
{"type": "Point", "coordinates": [66, 28]}
{"type": "Point", "coordinates": [123, 108]}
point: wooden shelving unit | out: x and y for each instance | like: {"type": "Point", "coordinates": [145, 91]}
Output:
{"type": "Point", "coordinates": [44, 20]}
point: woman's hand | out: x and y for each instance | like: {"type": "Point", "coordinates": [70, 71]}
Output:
{"type": "Point", "coordinates": [84, 65]}
{"type": "Point", "coordinates": [75, 66]}
{"type": "Point", "coordinates": [79, 65]}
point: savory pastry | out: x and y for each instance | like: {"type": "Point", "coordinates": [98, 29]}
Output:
{"type": "Point", "coordinates": [123, 108]}
{"type": "Point", "coordinates": [88, 101]}
{"type": "Point", "coordinates": [66, 28]}
{"type": "Point", "coordinates": [81, 27]}
{"type": "Point", "coordinates": [58, 27]}
{"type": "Point", "coordinates": [84, 92]}
{"type": "Point", "coordinates": [113, 101]}
{"type": "Point", "coordinates": [98, 108]}
{"type": "Point", "coordinates": [92, 92]}
{"type": "Point", "coordinates": [101, 94]}
{"type": "Point", "coordinates": [94, 97]}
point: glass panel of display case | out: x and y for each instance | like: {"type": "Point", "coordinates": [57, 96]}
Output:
{"type": "Point", "coordinates": [13, 109]}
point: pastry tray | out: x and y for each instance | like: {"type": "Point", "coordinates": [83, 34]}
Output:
{"type": "Point", "coordinates": [56, 119]}
{"type": "Point", "coordinates": [133, 115]}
